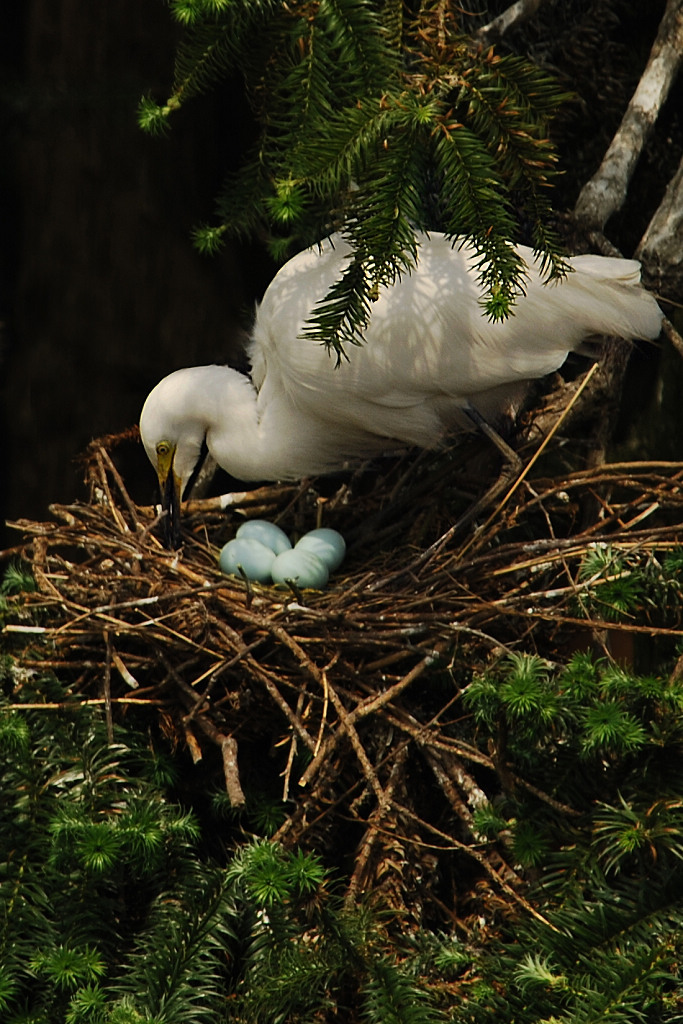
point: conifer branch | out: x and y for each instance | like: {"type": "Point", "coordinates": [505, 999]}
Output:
{"type": "Point", "coordinates": [416, 129]}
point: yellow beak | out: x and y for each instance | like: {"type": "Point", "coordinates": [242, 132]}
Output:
{"type": "Point", "coordinates": [170, 487]}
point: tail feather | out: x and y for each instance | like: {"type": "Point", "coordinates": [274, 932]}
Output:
{"type": "Point", "coordinates": [608, 268]}
{"type": "Point", "coordinates": [612, 299]}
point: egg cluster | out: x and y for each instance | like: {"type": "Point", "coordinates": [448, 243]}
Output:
{"type": "Point", "coordinates": [264, 553]}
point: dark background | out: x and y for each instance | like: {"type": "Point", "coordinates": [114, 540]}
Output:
{"type": "Point", "coordinates": [101, 291]}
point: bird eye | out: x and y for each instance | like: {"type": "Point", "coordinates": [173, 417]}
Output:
{"type": "Point", "coordinates": [163, 448]}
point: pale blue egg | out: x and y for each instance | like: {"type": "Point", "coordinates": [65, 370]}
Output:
{"type": "Point", "coordinates": [328, 545]}
{"type": "Point", "coordinates": [268, 533]}
{"type": "Point", "coordinates": [254, 557]}
{"type": "Point", "coordinates": [303, 567]}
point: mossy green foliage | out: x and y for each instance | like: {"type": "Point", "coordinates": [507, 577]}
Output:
{"type": "Point", "coordinates": [375, 121]}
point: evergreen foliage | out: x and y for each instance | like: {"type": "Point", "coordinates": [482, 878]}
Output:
{"type": "Point", "coordinates": [375, 121]}
{"type": "Point", "coordinates": [112, 911]}
{"type": "Point", "coordinates": [110, 914]}
{"type": "Point", "coordinates": [607, 870]}
{"type": "Point", "coordinates": [87, 838]}
{"type": "Point", "coordinates": [618, 585]}
{"type": "Point", "coordinates": [587, 719]}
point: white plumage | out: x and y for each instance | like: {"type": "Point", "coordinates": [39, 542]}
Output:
{"type": "Point", "coordinates": [428, 352]}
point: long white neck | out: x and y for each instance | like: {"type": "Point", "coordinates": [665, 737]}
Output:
{"type": "Point", "coordinates": [259, 436]}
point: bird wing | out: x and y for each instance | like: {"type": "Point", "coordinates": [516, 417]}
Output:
{"type": "Point", "coordinates": [429, 346]}
{"type": "Point", "coordinates": [427, 336]}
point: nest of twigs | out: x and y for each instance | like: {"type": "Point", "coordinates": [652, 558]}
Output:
{"type": "Point", "coordinates": [344, 704]}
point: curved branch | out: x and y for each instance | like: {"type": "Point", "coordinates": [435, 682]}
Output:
{"type": "Point", "coordinates": [605, 193]}
{"type": "Point", "coordinates": [661, 247]}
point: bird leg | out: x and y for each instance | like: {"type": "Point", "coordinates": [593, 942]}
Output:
{"type": "Point", "coordinates": [510, 457]}
{"type": "Point", "coordinates": [512, 466]}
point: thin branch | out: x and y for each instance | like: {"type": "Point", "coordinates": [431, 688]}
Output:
{"type": "Point", "coordinates": [228, 745]}
{"type": "Point", "coordinates": [107, 688]}
{"type": "Point", "coordinates": [104, 484]}
{"type": "Point", "coordinates": [362, 710]}
{"type": "Point", "coordinates": [106, 461]}
{"type": "Point", "coordinates": [606, 191]}
{"type": "Point", "coordinates": [673, 336]}
{"type": "Point", "coordinates": [453, 843]}
{"type": "Point", "coordinates": [239, 499]}
{"type": "Point", "coordinates": [384, 806]}
{"type": "Point", "coordinates": [661, 247]}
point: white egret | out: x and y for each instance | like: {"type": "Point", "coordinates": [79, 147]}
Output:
{"type": "Point", "coordinates": [429, 354]}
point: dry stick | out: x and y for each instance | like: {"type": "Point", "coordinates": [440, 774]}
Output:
{"type": "Point", "coordinates": [447, 785]}
{"type": "Point", "coordinates": [237, 499]}
{"type": "Point", "coordinates": [227, 744]}
{"type": "Point", "coordinates": [347, 719]}
{"type": "Point", "coordinates": [455, 844]}
{"type": "Point", "coordinates": [277, 697]}
{"type": "Point", "coordinates": [292, 748]}
{"type": "Point", "coordinates": [120, 484]}
{"type": "Point", "coordinates": [477, 538]}
{"type": "Point", "coordinates": [104, 484]}
{"type": "Point", "coordinates": [606, 191]}
{"type": "Point", "coordinates": [65, 705]}
{"type": "Point", "coordinates": [265, 678]}
{"type": "Point", "coordinates": [107, 689]}
{"type": "Point", "coordinates": [545, 797]}
{"type": "Point", "coordinates": [344, 717]}
{"type": "Point", "coordinates": [457, 749]}
{"type": "Point", "coordinates": [38, 562]}
{"type": "Point", "coordinates": [551, 549]}
{"type": "Point", "coordinates": [384, 805]}
{"type": "Point", "coordinates": [123, 670]}
{"type": "Point", "coordinates": [192, 745]}
{"type": "Point", "coordinates": [61, 513]}
{"type": "Point", "coordinates": [571, 590]}
{"type": "Point", "coordinates": [326, 701]}
{"type": "Point", "coordinates": [422, 734]}
{"type": "Point", "coordinates": [174, 595]}
{"type": "Point", "coordinates": [123, 626]}
{"type": "Point", "coordinates": [297, 822]}
{"type": "Point", "coordinates": [358, 747]}
{"type": "Point", "coordinates": [146, 536]}
{"type": "Point", "coordinates": [372, 704]}
{"type": "Point", "coordinates": [474, 795]}
{"type": "Point", "coordinates": [558, 618]}
{"type": "Point", "coordinates": [217, 670]}
{"type": "Point", "coordinates": [332, 805]}
{"type": "Point", "coordinates": [362, 710]}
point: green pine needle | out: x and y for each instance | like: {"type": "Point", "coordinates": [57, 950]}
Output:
{"type": "Point", "coordinates": [209, 240]}
{"type": "Point", "coordinates": [152, 117]}
{"type": "Point", "coordinates": [17, 579]}
{"type": "Point", "coordinates": [377, 126]}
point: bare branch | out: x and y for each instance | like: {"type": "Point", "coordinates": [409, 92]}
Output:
{"type": "Point", "coordinates": [522, 10]}
{"type": "Point", "coordinates": [661, 247]}
{"type": "Point", "coordinates": [605, 193]}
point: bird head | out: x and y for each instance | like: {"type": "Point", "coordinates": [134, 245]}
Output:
{"type": "Point", "coordinates": [175, 441]}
